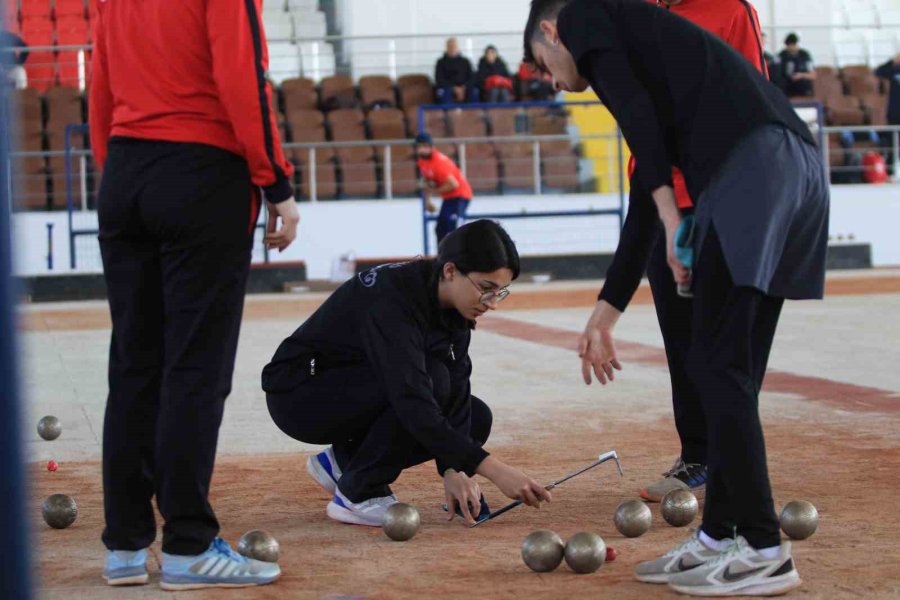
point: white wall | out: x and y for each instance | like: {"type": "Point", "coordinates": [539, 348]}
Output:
{"type": "Point", "coordinates": [389, 229]}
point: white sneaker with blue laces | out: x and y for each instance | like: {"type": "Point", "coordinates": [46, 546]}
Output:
{"type": "Point", "coordinates": [125, 567]}
{"type": "Point", "coordinates": [369, 512]}
{"type": "Point", "coordinates": [219, 566]}
{"type": "Point", "coordinates": [324, 469]}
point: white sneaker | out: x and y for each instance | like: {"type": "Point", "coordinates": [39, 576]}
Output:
{"type": "Point", "coordinates": [324, 469]}
{"type": "Point", "coordinates": [219, 566]}
{"type": "Point", "coordinates": [369, 512]}
{"type": "Point", "coordinates": [690, 554]}
{"type": "Point", "coordinates": [740, 571]}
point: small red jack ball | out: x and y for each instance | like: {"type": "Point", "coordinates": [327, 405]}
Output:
{"type": "Point", "coordinates": [52, 466]}
{"type": "Point", "coordinates": [611, 554]}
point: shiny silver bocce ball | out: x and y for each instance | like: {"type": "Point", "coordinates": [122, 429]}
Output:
{"type": "Point", "coordinates": [542, 550]}
{"type": "Point", "coordinates": [49, 428]}
{"type": "Point", "coordinates": [679, 508]}
{"type": "Point", "coordinates": [799, 519]}
{"type": "Point", "coordinates": [585, 552]}
{"type": "Point", "coordinates": [633, 518]}
{"type": "Point", "coordinates": [259, 545]}
{"type": "Point", "coordinates": [59, 511]}
{"type": "Point", "coordinates": [401, 522]}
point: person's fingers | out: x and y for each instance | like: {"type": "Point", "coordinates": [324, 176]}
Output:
{"type": "Point", "coordinates": [616, 364]}
{"type": "Point", "coordinates": [586, 371]}
{"type": "Point", "coordinates": [528, 497]}
{"type": "Point", "coordinates": [543, 493]}
{"type": "Point", "coordinates": [582, 345]}
{"type": "Point", "coordinates": [607, 368]}
{"type": "Point", "coordinates": [466, 511]}
{"type": "Point", "coordinates": [451, 509]}
{"type": "Point", "coordinates": [272, 222]}
{"type": "Point", "coordinates": [598, 373]}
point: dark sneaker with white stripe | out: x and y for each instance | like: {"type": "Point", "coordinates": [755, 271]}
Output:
{"type": "Point", "coordinates": [741, 571]}
{"type": "Point", "coordinates": [682, 476]}
{"type": "Point", "coordinates": [219, 566]}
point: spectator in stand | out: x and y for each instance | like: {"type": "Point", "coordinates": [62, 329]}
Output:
{"type": "Point", "coordinates": [535, 85]}
{"type": "Point", "coordinates": [797, 69]}
{"type": "Point", "coordinates": [16, 74]}
{"type": "Point", "coordinates": [891, 71]}
{"type": "Point", "coordinates": [493, 77]}
{"type": "Point", "coordinates": [453, 77]}
{"type": "Point", "coordinates": [773, 64]}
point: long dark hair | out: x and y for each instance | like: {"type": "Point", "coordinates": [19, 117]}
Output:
{"type": "Point", "coordinates": [478, 247]}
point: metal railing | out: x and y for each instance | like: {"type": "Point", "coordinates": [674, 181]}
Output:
{"type": "Point", "coordinates": [886, 142]}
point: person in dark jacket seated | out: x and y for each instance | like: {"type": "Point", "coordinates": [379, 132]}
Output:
{"type": "Point", "coordinates": [493, 77]}
{"type": "Point", "coordinates": [381, 373]}
{"type": "Point", "coordinates": [453, 77]}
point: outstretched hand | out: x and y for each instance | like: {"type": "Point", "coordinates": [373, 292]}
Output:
{"type": "Point", "coordinates": [596, 346]}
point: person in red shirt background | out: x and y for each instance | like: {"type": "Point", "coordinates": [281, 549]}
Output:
{"type": "Point", "coordinates": [736, 22]}
{"type": "Point", "coordinates": [441, 176]}
{"type": "Point", "coordinates": [182, 129]}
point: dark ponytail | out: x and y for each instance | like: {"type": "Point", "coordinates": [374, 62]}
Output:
{"type": "Point", "coordinates": [480, 246]}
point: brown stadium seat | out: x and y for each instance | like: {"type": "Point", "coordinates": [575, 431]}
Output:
{"type": "Point", "coordinates": [326, 182]}
{"type": "Point", "coordinates": [359, 178]}
{"type": "Point", "coordinates": [404, 177]}
{"type": "Point", "coordinates": [28, 106]}
{"type": "Point", "coordinates": [415, 90]}
{"type": "Point", "coordinates": [377, 89]}
{"type": "Point", "coordinates": [851, 71]}
{"type": "Point", "coordinates": [338, 88]}
{"type": "Point", "coordinates": [844, 110]}
{"type": "Point", "coordinates": [306, 119]}
{"type": "Point", "coordinates": [275, 107]}
{"type": "Point", "coordinates": [483, 173]}
{"type": "Point", "coordinates": [435, 122]}
{"type": "Point", "coordinates": [547, 124]}
{"type": "Point", "coordinates": [299, 94]}
{"type": "Point", "coordinates": [517, 163]}
{"type": "Point", "coordinates": [560, 165]}
{"type": "Point", "coordinates": [357, 164]}
{"type": "Point", "coordinates": [502, 121]}
{"type": "Point", "coordinates": [827, 84]}
{"type": "Point", "coordinates": [825, 70]}
{"type": "Point", "coordinates": [29, 186]}
{"type": "Point", "coordinates": [836, 153]}
{"type": "Point", "coordinates": [875, 107]}
{"type": "Point", "coordinates": [863, 85]}
{"type": "Point", "coordinates": [310, 135]}
{"type": "Point", "coordinates": [387, 124]}
{"type": "Point", "coordinates": [64, 107]}
{"type": "Point", "coordinates": [467, 123]}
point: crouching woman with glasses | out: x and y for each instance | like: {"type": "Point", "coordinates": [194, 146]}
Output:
{"type": "Point", "coordinates": [380, 374]}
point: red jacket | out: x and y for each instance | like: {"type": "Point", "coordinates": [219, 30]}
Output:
{"type": "Point", "coordinates": [737, 23]}
{"type": "Point", "coordinates": [188, 71]}
{"type": "Point", "coordinates": [439, 168]}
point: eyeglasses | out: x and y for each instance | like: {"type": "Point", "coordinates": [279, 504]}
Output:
{"type": "Point", "coordinates": [487, 297]}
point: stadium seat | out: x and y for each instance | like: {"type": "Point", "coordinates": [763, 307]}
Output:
{"type": "Point", "coordinates": [28, 106]}
{"type": "Point", "coordinates": [875, 106]}
{"type": "Point", "coordinates": [386, 124]}
{"type": "Point", "coordinates": [310, 135]}
{"type": "Point", "coordinates": [307, 119]}
{"type": "Point", "coordinates": [29, 184]}
{"type": "Point", "coordinates": [559, 165]}
{"type": "Point", "coordinates": [64, 107]}
{"type": "Point", "coordinates": [69, 8]}
{"type": "Point", "coordinates": [326, 182]}
{"type": "Point", "coordinates": [482, 171]}
{"type": "Point", "coordinates": [415, 90]}
{"type": "Point", "coordinates": [851, 71]}
{"type": "Point", "coordinates": [827, 83]}
{"type": "Point", "coordinates": [377, 89]}
{"type": "Point", "coordinates": [404, 179]}
{"type": "Point", "coordinates": [35, 9]}
{"type": "Point", "coordinates": [359, 178]}
{"type": "Point", "coordinates": [299, 94]}
{"type": "Point", "coordinates": [41, 64]}
{"type": "Point", "coordinates": [860, 85]}
{"type": "Point", "coordinates": [467, 123]}
{"type": "Point", "coordinates": [844, 110]}
{"type": "Point", "coordinates": [338, 91]}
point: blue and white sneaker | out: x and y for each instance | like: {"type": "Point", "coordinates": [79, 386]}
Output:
{"type": "Point", "coordinates": [682, 476]}
{"type": "Point", "coordinates": [324, 469]}
{"type": "Point", "coordinates": [125, 567]}
{"type": "Point", "coordinates": [219, 566]}
{"type": "Point", "coordinates": [369, 512]}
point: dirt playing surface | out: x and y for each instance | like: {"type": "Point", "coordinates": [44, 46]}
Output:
{"type": "Point", "coordinates": [836, 444]}
{"type": "Point", "coordinates": [849, 477]}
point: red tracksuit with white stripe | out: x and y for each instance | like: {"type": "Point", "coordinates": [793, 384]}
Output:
{"type": "Point", "coordinates": [181, 124]}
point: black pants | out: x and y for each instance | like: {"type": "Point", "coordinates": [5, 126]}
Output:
{"type": "Point", "coordinates": [176, 230]}
{"type": "Point", "coordinates": [345, 407]}
{"type": "Point", "coordinates": [733, 330]}
{"type": "Point", "coordinates": [674, 314]}
{"type": "Point", "coordinates": [453, 210]}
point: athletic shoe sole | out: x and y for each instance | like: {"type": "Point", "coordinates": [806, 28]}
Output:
{"type": "Point", "coordinates": [661, 578]}
{"type": "Point", "coordinates": [773, 586]}
{"type": "Point", "coordinates": [339, 513]}
{"type": "Point", "coordinates": [132, 580]}
{"type": "Point", "coordinates": [180, 587]}
{"type": "Point", "coordinates": [318, 472]}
